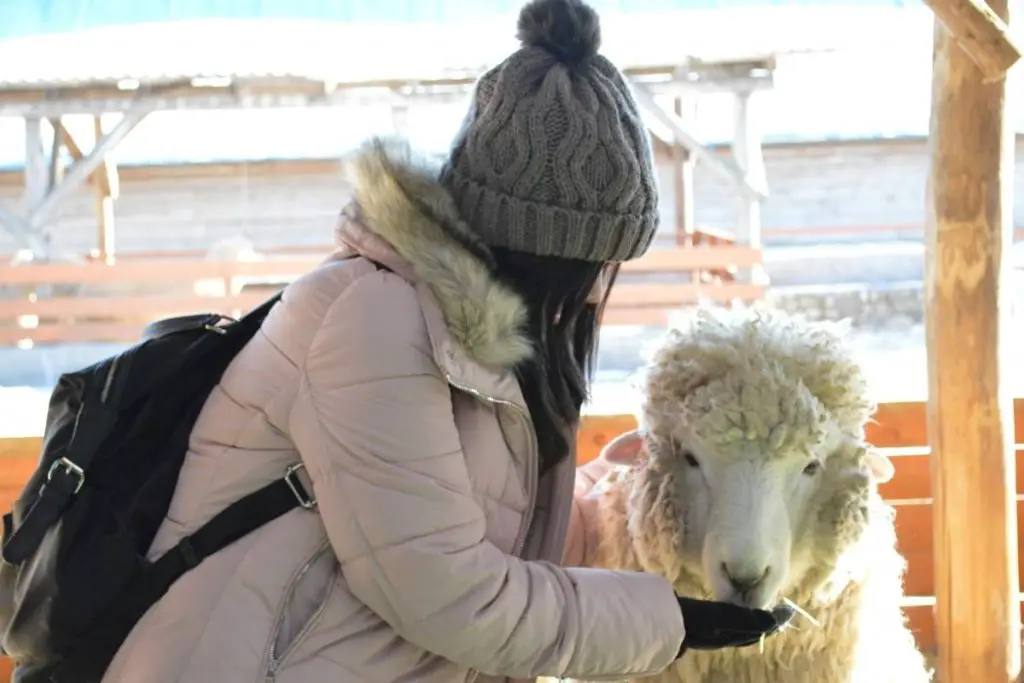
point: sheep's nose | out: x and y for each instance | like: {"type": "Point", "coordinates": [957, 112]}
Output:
{"type": "Point", "coordinates": [744, 579]}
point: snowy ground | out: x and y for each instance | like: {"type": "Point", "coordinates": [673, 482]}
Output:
{"type": "Point", "coordinates": [893, 359]}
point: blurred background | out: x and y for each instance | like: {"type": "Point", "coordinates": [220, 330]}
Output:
{"type": "Point", "coordinates": [190, 150]}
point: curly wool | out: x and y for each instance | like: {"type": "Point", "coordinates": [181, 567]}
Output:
{"type": "Point", "coordinates": [740, 376]}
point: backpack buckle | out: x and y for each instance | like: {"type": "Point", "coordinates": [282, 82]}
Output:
{"type": "Point", "coordinates": [70, 469]}
{"type": "Point", "coordinates": [291, 477]}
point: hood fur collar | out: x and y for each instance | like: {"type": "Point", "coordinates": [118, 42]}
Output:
{"type": "Point", "coordinates": [400, 200]}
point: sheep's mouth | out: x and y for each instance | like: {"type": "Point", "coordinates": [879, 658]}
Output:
{"type": "Point", "coordinates": [762, 596]}
{"type": "Point", "coordinates": [754, 599]}
{"type": "Point", "coordinates": [751, 600]}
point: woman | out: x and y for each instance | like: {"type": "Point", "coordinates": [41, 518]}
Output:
{"type": "Point", "coordinates": [429, 376]}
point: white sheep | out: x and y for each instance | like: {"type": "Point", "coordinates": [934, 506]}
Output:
{"type": "Point", "coordinates": [756, 486]}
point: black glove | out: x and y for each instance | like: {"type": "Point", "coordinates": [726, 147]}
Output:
{"type": "Point", "coordinates": [713, 625]}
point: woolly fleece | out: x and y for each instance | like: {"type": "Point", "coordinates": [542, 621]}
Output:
{"type": "Point", "coordinates": [731, 377]}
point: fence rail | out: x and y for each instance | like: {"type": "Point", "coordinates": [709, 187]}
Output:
{"type": "Point", "coordinates": [113, 302]}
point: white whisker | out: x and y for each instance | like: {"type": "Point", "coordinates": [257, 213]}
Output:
{"type": "Point", "coordinates": [802, 612]}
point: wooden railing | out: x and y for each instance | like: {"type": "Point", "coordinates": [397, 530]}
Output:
{"type": "Point", "coordinates": [101, 302]}
{"type": "Point", "coordinates": [899, 431]}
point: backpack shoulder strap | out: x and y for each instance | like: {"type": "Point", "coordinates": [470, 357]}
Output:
{"type": "Point", "coordinates": [237, 520]}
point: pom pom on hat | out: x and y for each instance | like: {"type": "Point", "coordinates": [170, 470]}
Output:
{"type": "Point", "coordinates": [568, 29]}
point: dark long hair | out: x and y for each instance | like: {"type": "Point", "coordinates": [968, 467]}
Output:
{"type": "Point", "coordinates": [564, 329]}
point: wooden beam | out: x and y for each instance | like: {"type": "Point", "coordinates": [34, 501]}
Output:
{"type": "Point", "coordinates": [723, 166]}
{"type": "Point", "coordinates": [68, 140]}
{"type": "Point", "coordinates": [105, 96]}
{"type": "Point", "coordinates": [22, 231]}
{"type": "Point", "coordinates": [981, 33]}
{"type": "Point", "coordinates": [56, 171]}
{"type": "Point", "coordinates": [970, 412]}
{"type": "Point", "coordinates": [78, 173]}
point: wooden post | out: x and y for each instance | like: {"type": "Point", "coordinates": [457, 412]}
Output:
{"type": "Point", "coordinates": [970, 410]}
{"type": "Point", "coordinates": [105, 190]}
{"type": "Point", "coordinates": [682, 177]}
{"type": "Point", "coordinates": [36, 165]}
{"type": "Point", "coordinates": [750, 158]}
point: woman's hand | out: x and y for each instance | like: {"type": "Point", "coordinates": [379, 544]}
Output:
{"type": "Point", "coordinates": [715, 625]}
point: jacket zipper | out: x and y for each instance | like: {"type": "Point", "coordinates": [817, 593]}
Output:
{"type": "Point", "coordinates": [273, 660]}
{"type": "Point", "coordinates": [531, 473]}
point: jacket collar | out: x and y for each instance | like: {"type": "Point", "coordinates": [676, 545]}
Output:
{"type": "Point", "coordinates": [405, 220]}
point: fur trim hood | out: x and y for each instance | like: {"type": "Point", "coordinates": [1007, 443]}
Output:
{"type": "Point", "coordinates": [398, 198]}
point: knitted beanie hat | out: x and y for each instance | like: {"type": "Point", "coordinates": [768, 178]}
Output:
{"type": "Point", "coordinates": [552, 158]}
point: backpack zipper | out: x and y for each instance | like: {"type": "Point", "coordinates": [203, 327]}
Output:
{"type": "Point", "coordinates": [273, 660]}
{"type": "Point", "coordinates": [531, 473]}
{"type": "Point", "coordinates": [108, 381]}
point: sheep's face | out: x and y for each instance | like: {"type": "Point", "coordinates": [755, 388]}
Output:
{"type": "Point", "coordinates": [754, 427]}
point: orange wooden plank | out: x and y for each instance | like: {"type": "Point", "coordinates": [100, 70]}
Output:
{"type": "Point", "coordinates": [665, 295]}
{"type": "Point", "coordinates": [912, 479]}
{"type": "Point", "coordinates": [50, 333]}
{"type": "Point", "coordinates": [6, 669]}
{"type": "Point", "coordinates": [596, 431]}
{"type": "Point", "coordinates": [78, 332]}
{"type": "Point", "coordinates": [921, 620]}
{"type": "Point", "coordinates": [197, 268]}
{"type": "Point", "coordinates": [898, 425]}
{"type": "Point", "coordinates": [150, 307]}
{"type": "Point", "coordinates": [914, 538]}
{"type": "Point", "coordinates": [695, 258]}
{"type": "Point", "coordinates": [904, 424]}
{"type": "Point", "coordinates": [156, 270]}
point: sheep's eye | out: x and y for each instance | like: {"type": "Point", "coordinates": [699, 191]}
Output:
{"type": "Point", "coordinates": [690, 460]}
{"type": "Point", "coordinates": [813, 467]}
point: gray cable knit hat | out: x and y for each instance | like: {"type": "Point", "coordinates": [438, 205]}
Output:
{"type": "Point", "coordinates": [552, 158]}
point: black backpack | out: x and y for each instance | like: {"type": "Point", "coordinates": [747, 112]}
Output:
{"type": "Point", "coordinates": [74, 579]}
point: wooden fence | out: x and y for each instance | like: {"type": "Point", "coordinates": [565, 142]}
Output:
{"type": "Point", "coordinates": [66, 303]}
{"type": "Point", "coordinates": [899, 431]}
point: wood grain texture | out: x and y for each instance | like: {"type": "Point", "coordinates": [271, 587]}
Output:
{"type": "Point", "coordinates": [970, 413]}
{"type": "Point", "coordinates": [981, 33]}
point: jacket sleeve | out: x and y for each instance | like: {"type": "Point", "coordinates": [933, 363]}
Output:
{"type": "Point", "coordinates": [374, 424]}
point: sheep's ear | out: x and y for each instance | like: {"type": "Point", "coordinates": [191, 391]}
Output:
{"type": "Point", "coordinates": [625, 449]}
{"type": "Point", "coordinates": [880, 467]}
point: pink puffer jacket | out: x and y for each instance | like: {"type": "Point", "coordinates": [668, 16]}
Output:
{"type": "Point", "coordinates": [433, 556]}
